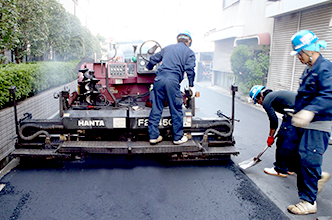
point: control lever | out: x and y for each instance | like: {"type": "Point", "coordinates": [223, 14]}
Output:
{"type": "Point", "coordinates": [153, 49]}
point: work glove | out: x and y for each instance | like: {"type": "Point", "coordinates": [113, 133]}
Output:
{"type": "Point", "coordinates": [270, 140]}
{"type": "Point", "coordinates": [192, 90]}
{"type": "Point", "coordinates": [149, 66]}
{"type": "Point", "coordinates": [302, 118]}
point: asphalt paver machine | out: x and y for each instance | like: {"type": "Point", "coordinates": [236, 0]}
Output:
{"type": "Point", "coordinates": [108, 114]}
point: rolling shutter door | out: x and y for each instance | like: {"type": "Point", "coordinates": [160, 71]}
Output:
{"type": "Point", "coordinates": [281, 63]}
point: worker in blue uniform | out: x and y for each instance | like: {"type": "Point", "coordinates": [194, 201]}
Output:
{"type": "Point", "coordinates": [176, 60]}
{"type": "Point", "coordinates": [272, 102]}
{"type": "Point", "coordinates": [312, 120]}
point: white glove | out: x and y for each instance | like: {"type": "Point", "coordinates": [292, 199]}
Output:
{"type": "Point", "coordinates": [302, 118]}
{"type": "Point", "coordinates": [192, 89]}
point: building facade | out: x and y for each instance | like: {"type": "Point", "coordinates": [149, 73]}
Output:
{"type": "Point", "coordinates": [290, 16]}
{"type": "Point", "coordinates": [271, 23]}
{"type": "Point", "coordinates": [240, 22]}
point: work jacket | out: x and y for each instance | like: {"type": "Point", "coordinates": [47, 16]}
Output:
{"type": "Point", "coordinates": [315, 91]}
{"type": "Point", "coordinates": [276, 102]}
{"type": "Point", "coordinates": [176, 59]}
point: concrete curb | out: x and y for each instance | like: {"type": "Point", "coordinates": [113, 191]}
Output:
{"type": "Point", "coordinates": [11, 165]}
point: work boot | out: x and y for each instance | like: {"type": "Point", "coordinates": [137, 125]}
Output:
{"type": "Point", "coordinates": [323, 179]}
{"type": "Point", "coordinates": [157, 140]}
{"type": "Point", "coordinates": [184, 139]}
{"type": "Point", "coordinates": [273, 172]}
{"type": "Point", "coordinates": [303, 208]}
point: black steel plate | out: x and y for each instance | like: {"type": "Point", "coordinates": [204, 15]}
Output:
{"type": "Point", "coordinates": [118, 147]}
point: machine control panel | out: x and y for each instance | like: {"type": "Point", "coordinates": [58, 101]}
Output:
{"type": "Point", "coordinates": [141, 65]}
{"type": "Point", "coordinates": [117, 70]}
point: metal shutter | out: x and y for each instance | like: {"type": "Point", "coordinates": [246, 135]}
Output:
{"type": "Point", "coordinates": [281, 63]}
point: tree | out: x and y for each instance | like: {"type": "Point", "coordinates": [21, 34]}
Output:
{"type": "Point", "coordinates": [43, 30]}
{"type": "Point", "coordinates": [92, 43]}
{"type": "Point", "coordinates": [102, 39]}
{"type": "Point", "coordinates": [59, 32]}
{"type": "Point", "coordinates": [76, 48]}
{"type": "Point", "coordinates": [8, 26]}
{"type": "Point", "coordinates": [249, 67]}
{"type": "Point", "coordinates": [32, 29]}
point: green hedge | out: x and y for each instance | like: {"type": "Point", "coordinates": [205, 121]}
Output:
{"type": "Point", "coordinates": [32, 78]}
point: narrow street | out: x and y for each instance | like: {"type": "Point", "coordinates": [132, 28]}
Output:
{"type": "Point", "coordinates": [84, 123]}
{"type": "Point", "coordinates": [149, 187]}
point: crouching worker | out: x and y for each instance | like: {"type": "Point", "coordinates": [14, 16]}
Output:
{"type": "Point", "coordinates": [273, 102]}
{"type": "Point", "coordinates": [176, 60]}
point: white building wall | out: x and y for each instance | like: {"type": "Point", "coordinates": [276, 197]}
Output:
{"type": "Point", "coordinates": [222, 55]}
{"type": "Point", "coordinates": [241, 19]}
{"type": "Point", "coordinates": [250, 15]}
{"type": "Point", "coordinates": [287, 6]}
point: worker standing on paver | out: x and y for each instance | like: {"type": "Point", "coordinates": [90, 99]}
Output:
{"type": "Point", "coordinates": [312, 119]}
{"type": "Point", "coordinates": [176, 60]}
{"type": "Point", "coordinates": [272, 102]}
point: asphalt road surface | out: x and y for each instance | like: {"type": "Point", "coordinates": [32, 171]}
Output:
{"type": "Point", "coordinates": [122, 187]}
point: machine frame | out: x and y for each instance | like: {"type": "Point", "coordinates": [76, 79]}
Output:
{"type": "Point", "coordinates": [108, 114]}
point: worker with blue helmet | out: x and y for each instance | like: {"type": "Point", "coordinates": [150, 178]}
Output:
{"type": "Point", "coordinates": [311, 121]}
{"type": "Point", "coordinates": [176, 59]}
{"type": "Point", "coordinates": [275, 102]}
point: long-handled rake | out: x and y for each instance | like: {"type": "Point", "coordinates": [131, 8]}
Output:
{"type": "Point", "coordinates": [253, 161]}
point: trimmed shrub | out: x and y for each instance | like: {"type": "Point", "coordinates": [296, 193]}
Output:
{"type": "Point", "coordinates": [32, 78]}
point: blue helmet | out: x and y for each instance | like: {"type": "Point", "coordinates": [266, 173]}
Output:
{"type": "Point", "coordinates": [304, 39]}
{"type": "Point", "coordinates": [187, 33]}
{"type": "Point", "coordinates": [254, 91]}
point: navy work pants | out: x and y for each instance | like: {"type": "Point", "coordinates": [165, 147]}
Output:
{"type": "Point", "coordinates": [166, 87]}
{"type": "Point", "coordinates": [283, 144]}
{"type": "Point", "coordinates": [308, 146]}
